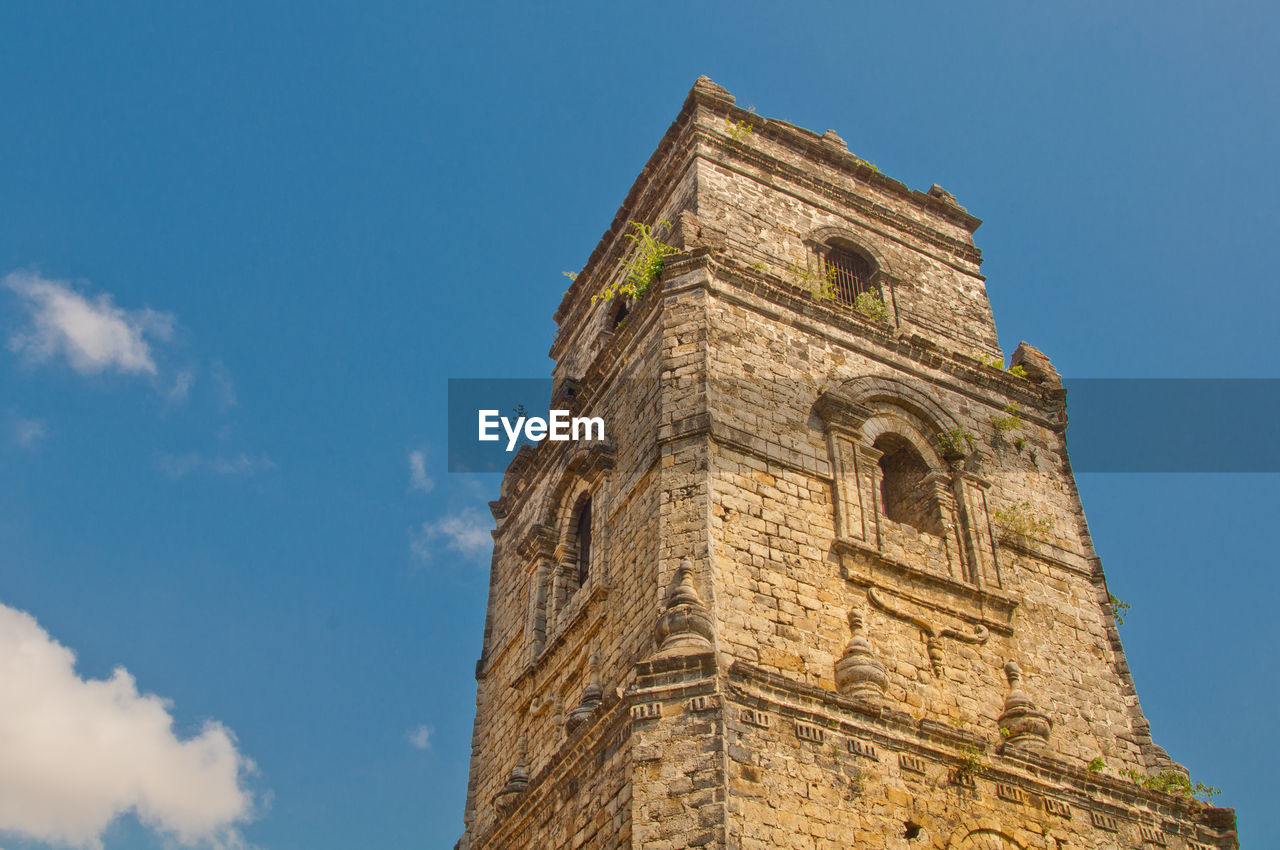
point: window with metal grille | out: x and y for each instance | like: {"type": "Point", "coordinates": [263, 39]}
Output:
{"type": "Point", "coordinates": [852, 274]}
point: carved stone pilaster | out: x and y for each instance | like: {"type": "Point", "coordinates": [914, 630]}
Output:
{"type": "Point", "coordinates": [685, 625]}
{"type": "Point", "coordinates": [858, 672]}
{"type": "Point", "coordinates": [971, 500]}
{"type": "Point", "coordinates": [1021, 723]}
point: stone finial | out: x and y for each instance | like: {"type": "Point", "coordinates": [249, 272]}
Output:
{"type": "Point", "coordinates": [708, 86]}
{"type": "Point", "coordinates": [858, 672]}
{"type": "Point", "coordinates": [1021, 723]}
{"type": "Point", "coordinates": [942, 194]}
{"type": "Point", "coordinates": [592, 695]}
{"type": "Point", "coordinates": [1037, 366]}
{"type": "Point", "coordinates": [685, 625]}
{"type": "Point", "coordinates": [517, 779]}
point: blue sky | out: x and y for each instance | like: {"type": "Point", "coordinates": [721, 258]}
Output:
{"type": "Point", "coordinates": [245, 246]}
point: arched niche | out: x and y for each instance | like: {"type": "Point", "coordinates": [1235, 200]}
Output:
{"type": "Point", "coordinates": [563, 570]}
{"type": "Point", "coordinates": [897, 492]}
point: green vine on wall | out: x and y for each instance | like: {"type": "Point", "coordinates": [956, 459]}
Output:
{"type": "Point", "coordinates": [1021, 522]}
{"type": "Point", "coordinates": [1119, 609]}
{"type": "Point", "coordinates": [738, 130]}
{"type": "Point", "coordinates": [1173, 782]}
{"type": "Point", "coordinates": [954, 443]}
{"type": "Point", "coordinates": [820, 283]}
{"type": "Point", "coordinates": [1011, 421]}
{"type": "Point", "coordinates": [870, 305]}
{"type": "Point", "coordinates": [643, 265]}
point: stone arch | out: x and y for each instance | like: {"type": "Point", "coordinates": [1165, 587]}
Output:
{"type": "Point", "coordinates": [844, 237]}
{"type": "Point", "coordinates": [983, 838]}
{"type": "Point", "coordinates": [583, 469]}
{"type": "Point", "coordinates": [560, 575]}
{"type": "Point", "coordinates": [897, 487]}
{"type": "Point", "coordinates": [868, 394]}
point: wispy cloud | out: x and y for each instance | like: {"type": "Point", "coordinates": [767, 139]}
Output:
{"type": "Point", "coordinates": [224, 388]}
{"type": "Point", "coordinates": [420, 738]}
{"type": "Point", "coordinates": [80, 752]}
{"type": "Point", "coordinates": [28, 433]}
{"type": "Point", "coordinates": [418, 478]}
{"type": "Point", "coordinates": [182, 383]}
{"type": "Point", "coordinates": [179, 466]}
{"type": "Point", "coordinates": [92, 334]}
{"type": "Point", "coordinates": [465, 532]}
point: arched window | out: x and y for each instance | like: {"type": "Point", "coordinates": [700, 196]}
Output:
{"type": "Point", "coordinates": [582, 537]}
{"type": "Point", "coordinates": [906, 496]}
{"type": "Point", "coordinates": [852, 273]}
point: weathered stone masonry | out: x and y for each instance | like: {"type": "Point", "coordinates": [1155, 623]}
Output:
{"type": "Point", "coordinates": [839, 589]}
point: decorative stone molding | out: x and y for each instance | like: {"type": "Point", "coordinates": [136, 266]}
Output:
{"type": "Point", "coordinates": [685, 626]}
{"type": "Point", "coordinates": [911, 763]}
{"type": "Point", "coordinates": [809, 732]}
{"type": "Point", "coordinates": [1026, 725]}
{"type": "Point", "coordinates": [862, 748]}
{"type": "Point", "coordinates": [865, 566]}
{"type": "Point", "coordinates": [858, 672]}
{"type": "Point", "coordinates": [933, 635]}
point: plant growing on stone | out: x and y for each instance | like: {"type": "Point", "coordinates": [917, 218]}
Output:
{"type": "Point", "coordinates": [820, 283]}
{"type": "Point", "coordinates": [872, 306]}
{"type": "Point", "coordinates": [998, 363]}
{"type": "Point", "coordinates": [738, 130]}
{"type": "Point", "coordinates": [868, 163]}
{"type": "Point", "coordinates": [639, 269]}
{"type": "Point", "coordinates": [1173, 782]}
{"type": "Point", "coordinates": [1011, 421]}
{"type": "Point", "coordinates": [954, 442]}
{"type": "Point", "coordinates": [973, 762]}
{"type": "Point", "coordinates": [1020, 522]}
{"type": "Point", "coordinates": [1097, 765]}
{"type": "Point", "coordinates": [1119, 609]}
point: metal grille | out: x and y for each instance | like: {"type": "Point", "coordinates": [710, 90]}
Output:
{"type": "Point", "coordinates": [852, 274]}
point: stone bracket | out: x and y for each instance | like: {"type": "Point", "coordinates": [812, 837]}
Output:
{"type": "Point", "coordinates": [933, 635]}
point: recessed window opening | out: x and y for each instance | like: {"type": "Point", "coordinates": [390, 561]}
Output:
{"type": "Point", "coordinates": [905, 494]}
{"type": "Point", "coordinates": [852, 274]}
{"type": "Point", "coordinates": [582, 535]}
{"type": "Point", "coordinates": [619, 315]}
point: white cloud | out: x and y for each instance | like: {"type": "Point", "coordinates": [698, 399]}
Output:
{"type": "Point", "coordinates": [78, 753]}
{"type": "Point", "coordinates": [179, 466]}
{"type": "Point", "coordinates": [27, 433]}
{"type": "Point", "coordinates": [93, 335]}
{"type": "Point", "coordinates": [466, 533]}
{"type": "Point", "coordinates": [420, 738]}
{"type": "Point", "coordinates": [418, 478]}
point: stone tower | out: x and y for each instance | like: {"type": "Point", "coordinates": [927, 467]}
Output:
{"type": "Point", "coordinates": [828, 582]}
